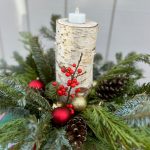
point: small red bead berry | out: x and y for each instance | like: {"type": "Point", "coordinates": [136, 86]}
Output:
{"type": "Point", "coordinates": [73, 85]}
{"type": "Point", "coordinates": [68, 74]}
{"type": "Point", "coordinates": [72, 111]}
{"type": "Point", "coordinates": [69, 81]}
{"type": "Point", "coordinates": [68, 69]}
{"type": "Point", "coordinates": [66, 88]}
{"type": "Point", "coordinates": [69, 106]}
{"type": "Point", "coordinates": [71, 71]}
{"type": "Point", "coordinates": [74, 65]}
{"type": "Point", "coordinates": [61, 87]}
{"type": "Point", "coordinates": [72, 96]}
{"type": "Point", "coordinates": [54, 83]}
{"type": "Point", "coordinates": [79, 70]}
{"type": "Point", "coordinates": [63, 69]}
{"type": "Point", "coordinates": [60, 93]}
{"type": "Point", "coordinates": [77, 83]}
{"type": "Point", "coordinates": [63, 90]}
{"type": "Point", "coordinates": [74, 80]}
{"type": "Point", "coordinates": [66, 94]}
{"type": "Point", "coordinates": [77, 90]}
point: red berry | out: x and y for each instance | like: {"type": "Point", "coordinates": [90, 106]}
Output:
{"type": "Point", "coordinates": [68, 74]}
{"type": "Point", "coordinates": [63, 90]}
{"type": "Point", "coordinates": [79, 70]}
{"type": "Point", "coordinates": [71, 71]}
{"type": "Point", "coordinates": [69, 82]}
{"type": "Point", "coordinates": [69, 106]}
{"type": "Point", "coordinates": [60, 93]}
{"type": "Point", "coordinates": [68, 69]}
{"type": "Point", "coordinates": [72, 111]}
{"type": "Point", "coordinates": [74, 65]}
{"type": "Point", "coordinates": [54, 83]}
{"type": "Point", "coordinates": [73, 85]}
{"type": "Point", "coordinates": [77, 83]}
{"type": "Point", "coordinates": [77, 90]}
{"type": "Point", "coordinates": [74, 80]}
{"type": "Point", "coordinates": [65, 94]}
{"type": "Point", "coordinates": [72, 96]}
{"type": "Point", "coordinates": [66, 88]}
{"type": "Point", "coordinates": [61, 87]}
{"type": "Point", "coordinates": [63, 69]}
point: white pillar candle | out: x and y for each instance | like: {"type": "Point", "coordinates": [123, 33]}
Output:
{"type": "Point", "coordinates": [77, 17]}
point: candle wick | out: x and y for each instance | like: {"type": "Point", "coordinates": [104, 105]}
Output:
{"type": "Point", "coordinates": [77, 10]}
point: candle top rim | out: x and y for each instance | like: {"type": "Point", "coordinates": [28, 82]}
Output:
{"type": "Point", "coordinates": [87, 24]}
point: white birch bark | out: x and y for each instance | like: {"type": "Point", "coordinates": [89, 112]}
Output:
{"type": "Point", "coordinates": [71, 41]}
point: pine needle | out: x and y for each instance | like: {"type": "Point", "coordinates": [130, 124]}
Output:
{"type": "Point", "coordinates": [106, 125]}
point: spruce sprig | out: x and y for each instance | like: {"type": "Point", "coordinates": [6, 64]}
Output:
{"type": "Point", "coordinates": [106, 125]}
{"type": "Point", "coordinates": [127, 66]}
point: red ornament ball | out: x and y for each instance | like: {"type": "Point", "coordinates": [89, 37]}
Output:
{"type": "Point", "coordinates": [61, 115]}
{"type": "Point", "coordinates": [36, 84]}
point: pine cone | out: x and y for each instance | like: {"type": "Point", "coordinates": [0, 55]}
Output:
{"type": "Point", "coordinates": [111, 88]}
{"type": "Point", "coordinates": [76, 131]}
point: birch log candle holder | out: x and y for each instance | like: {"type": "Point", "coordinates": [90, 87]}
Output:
{"type": "Point", "coordinates": [71, 40]}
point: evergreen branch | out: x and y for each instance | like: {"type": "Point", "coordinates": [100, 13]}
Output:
{"type": "Point", "coordinates": [57, 141]}
{"type": "Point", "coordinates": [136, 112]}
{"type": "Point", "coordinates": [127, 66]}
{"type": "Point", "coordinates": [105, 125]}
{"type": "Point", "coordinates": [43, 69]}
{"type": "Point", "coordinates": [44, 129]}
{"type": "Point", "coordinates": [93, 143]}
{"type": "Point", "coordinates": [14, 131]}
{"type": "Point", "coordinates": [46, 33]}
{"type": "Point", "coordinates": [13, 83]}
{"type": "Point", "coordinates": [33, 97]}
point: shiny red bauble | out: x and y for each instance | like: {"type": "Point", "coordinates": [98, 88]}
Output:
{"type": "Point", "coordinates": [61, 115]}
{"type": "Point", "coordinates": [36, 84]}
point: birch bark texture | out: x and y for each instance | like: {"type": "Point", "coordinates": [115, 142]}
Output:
{"type": "Point", "coordinates": [71, 41]}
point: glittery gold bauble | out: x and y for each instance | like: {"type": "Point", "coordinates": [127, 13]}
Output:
{"type": "Point", "coordinates": [57, 104]}
{"type": "Point", "coordinates": [79, 103]}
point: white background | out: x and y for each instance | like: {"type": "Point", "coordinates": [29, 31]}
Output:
{"type": "Point", "coordinates": [131, 31]}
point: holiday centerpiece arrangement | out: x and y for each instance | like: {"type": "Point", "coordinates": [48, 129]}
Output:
{"type": "Point", "coordinates": [64, 109]}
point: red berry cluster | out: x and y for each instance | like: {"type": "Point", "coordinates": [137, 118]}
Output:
{"type": "Point", "coordinates": [71, 108]}
{"type": "Point", "coordinates": [61, 89]}
{"type": "Point", "coordinates": [71, 83]}
{"type": "Point", "coordinates": [69, 71]}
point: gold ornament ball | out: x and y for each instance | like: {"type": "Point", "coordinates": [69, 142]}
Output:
{"type": "Point", "coordinates": [79, 103]}
{"type": "Point", "coordinates": [57, 104]}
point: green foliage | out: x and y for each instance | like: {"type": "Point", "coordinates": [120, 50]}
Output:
{"type": "Point", "coordinates": [35, 99]}
{"type": "Point", "coordinates": [106, 131]}
{"type": "Point", "coordinates": [13, 132]}
{"type": "Point", "coordinates": [127, 66]}
{"type": "Point", "coordinates": [57, 141]}
{"type": "Point", "coordinates": [93, 142]}
{"type": "Point", "coordinates": [136, 112]}
{"type": "Point", "coordinates": [107, 126]}
{"type": "Point", "coordinates": [51, 92]}
{"type": "Point", "coordinates": [44, 129]}
{"type": "Point", "coordinates": [100, 67]}
{"type": "Point", "coordinates": [43, 69]}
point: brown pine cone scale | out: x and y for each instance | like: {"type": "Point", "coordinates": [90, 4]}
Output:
{"type": "Point", "coordinates": [76, 131]}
